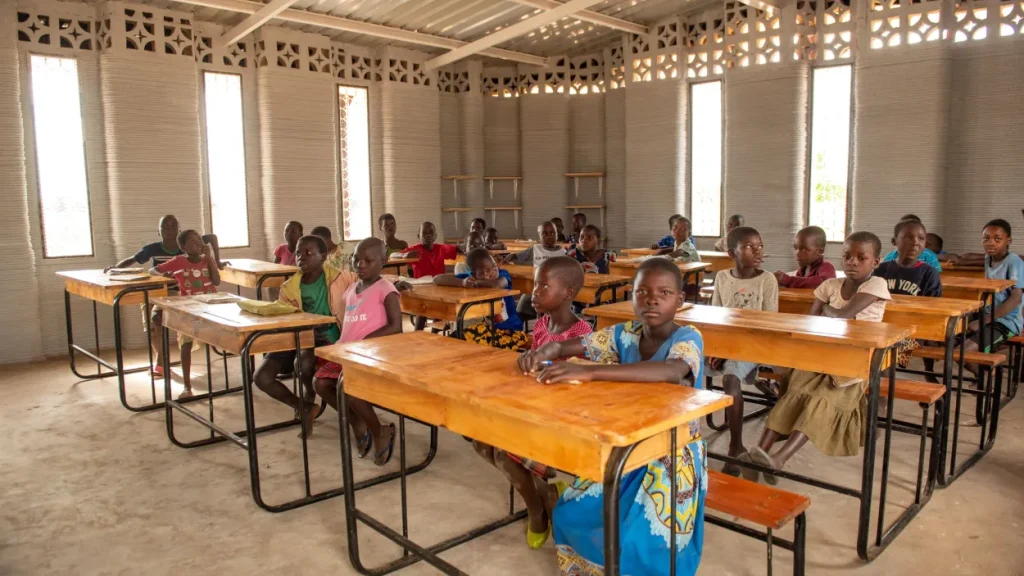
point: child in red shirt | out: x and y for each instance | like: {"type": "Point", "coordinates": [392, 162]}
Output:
{"type": "Point", "coordinates": [196, 272]}
{"type": "Point", "coordinates": [285, 253]}
{"type": "Point", "coordinates": [809, 248]}
{"type": "Point", "coordinates": [432, 256]}
{"type": "Point", "coordinates": [556, 282]}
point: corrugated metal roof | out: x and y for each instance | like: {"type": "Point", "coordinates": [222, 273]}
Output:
{"type": "Point", "coordinates": [465, 20]}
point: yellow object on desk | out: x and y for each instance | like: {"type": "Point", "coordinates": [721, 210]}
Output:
{"type": "Point", "coordinates": [266, 308]}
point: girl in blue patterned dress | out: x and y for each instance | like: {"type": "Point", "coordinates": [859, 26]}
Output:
{"type": "Point", "coordinates": [651, 349]}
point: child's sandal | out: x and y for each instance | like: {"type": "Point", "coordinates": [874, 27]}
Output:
{"type": "Point", "coordinates": [387, 451]}
{"type": "Point", "coordinates": [364, 444]}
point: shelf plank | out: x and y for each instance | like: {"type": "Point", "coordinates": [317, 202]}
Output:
{"type": "Point", "coordinates": [585, 207]}
{"type": "Point", "coordinates": [459, 177]}
{"type": "Point", "coordinates": [503, 207]}
{"type": "Point", "coordinates": [585, 174]}
{"type": "Point", "coordinates": [449, 210]}
{"type": "Point", "coordinates": [503, 177]}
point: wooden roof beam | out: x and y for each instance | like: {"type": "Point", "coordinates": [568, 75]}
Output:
{"type": "Point", "coordinates": [590, 16]}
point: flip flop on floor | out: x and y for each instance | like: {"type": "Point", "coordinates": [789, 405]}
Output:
{"type": "Point", "coordinates": [387, 451]}
{"type": "Point", "coordinates": [761, 457]}
{"type": "Point", "coordinates": [748, 473]}
{"type": "Point", "coordinates": [364, 444]}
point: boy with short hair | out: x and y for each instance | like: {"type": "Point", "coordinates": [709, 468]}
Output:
{"type": "Point", "coordinates": [491, 239]}
{"type": "Point", "coordinates": [158, 252]}
{"type": "Point", "coordinates": [745, 287]}
{"type": "Point", "coordinates": [667, 241]}
{"type": "Point", "coordinates": [907, 274]}
{"type": "Point", "coordinates": [196, 272]}
{"type": "Point", "coordinates": [734, 221]}
{"type": "Point", "coordinates": [1001, 264]}
{"type": "Point", "coordinates": [431, 255]}
{"type": "Point", "coordinates": [559, 228]}
{"type": "Point", "coordinates": [579, 220]}
{"type": "Point", "coordinates": [809, 249]}
{"type": "Point", "coordinates": [934, 243]}
{"type": "Point", "coordinates": [387, 225]}
{"type": "Point", "coordinates": [927, 256]}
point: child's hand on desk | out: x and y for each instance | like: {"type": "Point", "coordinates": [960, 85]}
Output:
{"type": "Point", "coordinates": [469, 282]}
{"type": "Point", "coordinates": [534, 360]}
{"type": "Point", "coordinates": [403, 286]}
{"type": "Point", "coordinates": [565, 372]}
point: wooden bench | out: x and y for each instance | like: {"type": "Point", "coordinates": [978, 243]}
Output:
{"type": "Point", "coordinates": [1015, 346]}
{"type": "Point", "coordinates": [764, 506]}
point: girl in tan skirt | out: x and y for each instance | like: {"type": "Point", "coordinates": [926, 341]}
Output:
{"type": "Point", "coordinates": [827, 410]}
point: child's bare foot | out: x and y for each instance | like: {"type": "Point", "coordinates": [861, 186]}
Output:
{"type": "Point", "coordinates": [307, 422]}
{"type": "Point", "coordinates": [186, 393]}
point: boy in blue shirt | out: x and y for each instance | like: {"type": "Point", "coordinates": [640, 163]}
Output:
{"type": "Point", "coordinates": [1000, 264]}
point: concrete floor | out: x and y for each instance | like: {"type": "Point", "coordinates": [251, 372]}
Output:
{"type": "Point", "coordinates": [89, 488]}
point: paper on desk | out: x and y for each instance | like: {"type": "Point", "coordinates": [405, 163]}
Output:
{"type": "Point", "coordinates": [216, 298]}
{"type": "Point", "coordinates": [417, 281]}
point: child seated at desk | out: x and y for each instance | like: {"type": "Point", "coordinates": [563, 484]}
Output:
{"type": "Point", "coordinates": [668, 241]}
{"type": "Point", "coordinates": [927, 256]}
{"type": "Point", "coordinates": [196, 272]}
{"type": "Point", "coordinates": [508, 328]}
{"type": "Point", "coordinates": [683, 249]}
{"type": "Point", "coordinates": [1000, 264]}
{"type": "Point", "coordinates": [557, 281]}
{"type": "Point", "coordinates": [734, 221]}
{"type": "Point", "coordinates": [579, 220]}
{"type": "Point", "coordinates": [559, 229]}
{"type": "Point", "coordinates": [809, 249]}
{"type": "Point", "coordinates": [828, 410]}
{"type": "Point", "coordinates": [534, 255]}
{"type": "Point", "coordinates": [371, 309]}
{"type": "Point", "coordinates": [907, 274]}
{"type": "Point", "coordinates": [388, 226]}
{"type": "Point", "coordinates": [285, 253]}
{"type": "Point", "coordinates": [491, 240]}
{"type": "Point", "coordinates": [167, 247]}
{"type": "Point", "coordinates": [650, 349]}
{"type": "Point", "coordinates": [745, 287]}
{"type": "Point", "coordinates": [934, 243]}
{"type": "Point", "coordinates": [595, 260]}
{"type": "Point", "coordinates": [431, 255]}
{"type": "Point", "coordinates": [473, 241]}
{"type": "Point", "coordinates": [337, 256]}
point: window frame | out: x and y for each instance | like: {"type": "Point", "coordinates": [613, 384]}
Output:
{"type": "Point", "coordinates": [369, 155]}
{"type": "Point", "coordinates": [35, 159]}
{"type": "Point", "coordinates": [721, 181]}
{"type": "Point", "coordinates": [809, 156]}
{"type": "Point", "coordinates": [206, 154]}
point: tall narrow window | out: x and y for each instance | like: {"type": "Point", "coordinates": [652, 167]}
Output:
{"type": "Point", "coordinates": [354, 123]}
{"type": "Point", "coordinates": [830, 150]}
{"type": "Point", "coordinates": [225, 159]}
{"type": "Point", "coordinates": [706, 158]}
{"type": "Point", "coordinates": [60, 157]}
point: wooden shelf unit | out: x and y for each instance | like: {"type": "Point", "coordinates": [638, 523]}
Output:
{"type": "Point", "coordinates": [455, 179]}
{"type": "Point", "coordinates": [576, 176]}
{"type": "Point", "coordinates": [515, 195]}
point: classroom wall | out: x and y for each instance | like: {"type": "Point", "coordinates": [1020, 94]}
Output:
{"type": "Point", "coordinates": [544, 122]}
{"type": "Point", "coordinates": [985, 168]}
{"type": "Point", "coordinates": [766, 153]}
{"type": "Point", "coordinates": [615, 168]}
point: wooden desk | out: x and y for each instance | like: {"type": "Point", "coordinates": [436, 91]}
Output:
{"type": "Point", "coordinates": [633, 252]}
{"type": "Point", "coordinates": [107, 289]}
{"type": "Point", "coordinates": [719, 260]}
{"type": "Point", "coordinates": [397, 264]}
{"type": "Point", "coordinates": [982, 289]}
{"type": "Point", "coordinates": [591, 430]}
{"type": "Point", "coordinates": [454, 304]}
{"type": "Point", "coordinates": [849, 348]}
{"type": "Point", "coordinates": [628, 267]}
{"type": "Point", "coordinates": [462, 257]}
{"type": "Point", "coordinates": [965, 271]}
{"type": "Point", "coordinates": [255, 274]}
{"type": "Point", "coordinates": [597, 288]}
{"type": "Point", "coordinates": [229, 328]}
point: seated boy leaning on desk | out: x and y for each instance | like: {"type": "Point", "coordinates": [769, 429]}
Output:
{"type": "Point", "coordinates": [652, 348]}
{"type": "Point", "coordinates": [163, 250]}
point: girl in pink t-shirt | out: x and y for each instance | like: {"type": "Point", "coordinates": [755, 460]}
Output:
{"type": "Point", "coordinates": [372, 309]}
{"type": "Point", "coordinates": [556, 282]}
{"type": "Point", "coordinates": [285, 253]}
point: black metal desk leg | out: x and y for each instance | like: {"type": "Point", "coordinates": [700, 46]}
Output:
{"type": "Point", "coordinates": [612, 480]}
{"type": "Point", "coordinates": [868, 468]}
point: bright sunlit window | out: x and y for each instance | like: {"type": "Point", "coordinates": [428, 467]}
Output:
{"type": "Point", "coordinates": [706, 158]}
{"type": "Point", "coordinates": [60, 157]}
{"type": "Point", "coordinates": [830, 150]}
{"type": "Point", "coordinates": [225, 159]}
{"type": "Point", "coordinates": [354, 123]}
